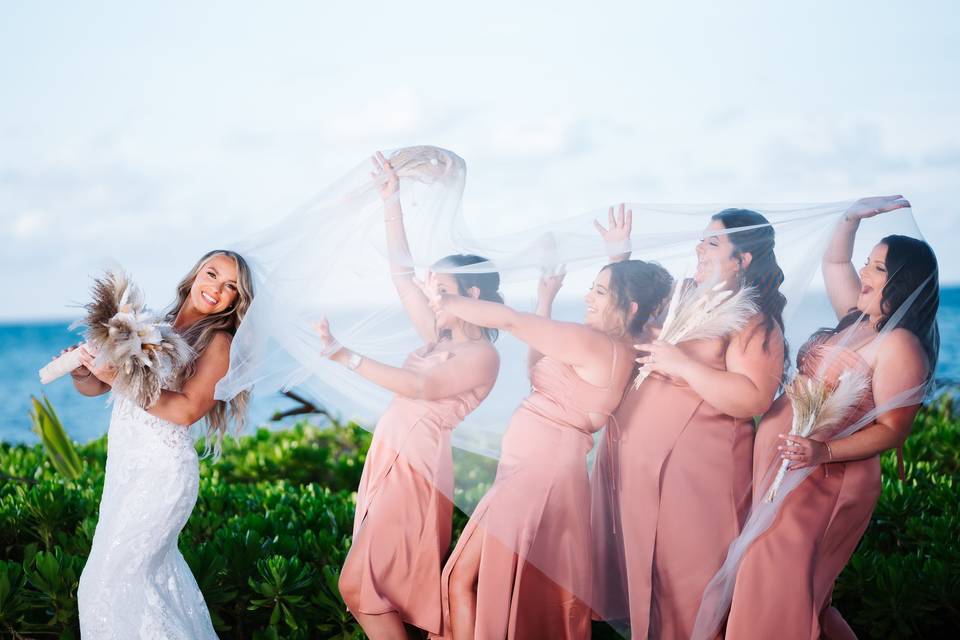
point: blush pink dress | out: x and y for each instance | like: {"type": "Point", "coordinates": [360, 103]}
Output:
{"type": "Point", "coordinates": [404, 515]}
{"type": "Point", "coordinates": [671, 491]}
{"type": "Point", "coordinates": [786, 577]}
{"type": "Point", "coordinates": [533, 523]}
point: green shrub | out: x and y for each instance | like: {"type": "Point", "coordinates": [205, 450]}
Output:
{"type": "Point", "coordinates": [904, 578]}
{"type": "Point", "coordinates": [274, 518]}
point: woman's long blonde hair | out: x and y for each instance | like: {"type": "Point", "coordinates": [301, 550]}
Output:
{"type": "Point", "coordinates": [198, 336]}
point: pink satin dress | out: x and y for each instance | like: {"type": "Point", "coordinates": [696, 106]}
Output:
{"type": "Point", "coordinates": [404, 515]}
{"type": "Point", "coordinates": [786, 577]}
{"type": "Point", "coordinates": [671, 490]}
{"type": "Point", "coordinates": [535, 570]}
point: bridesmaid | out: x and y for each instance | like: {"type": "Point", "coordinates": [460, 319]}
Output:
{"type": "Point", "coordinates": [521, 568]}
{"type": "Point", "coordinates": [683, 450]}
{"type": "Point", "coordinates": [796, 561]}
{"type": "Point", "coordinates": [404, 514]}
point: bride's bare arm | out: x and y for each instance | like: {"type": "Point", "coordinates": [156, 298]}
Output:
{"type": "Point", "coordinates": [195, 399]}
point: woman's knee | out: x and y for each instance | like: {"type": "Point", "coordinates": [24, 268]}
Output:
{"type": "Point", "coordinates": [463, 582]}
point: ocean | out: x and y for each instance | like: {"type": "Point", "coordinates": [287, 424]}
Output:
{"type": "Point", "coordinates": [25, 347]}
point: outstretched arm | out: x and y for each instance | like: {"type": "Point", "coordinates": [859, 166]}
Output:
{"type": "Point", "coordinates": [568, 342]}
{"type": "Point", "coordinates": [471, 367]}
{"type": "Point", "coordinates": [398, 251]}
{"type": "Point", "coordinates": [839, 274]}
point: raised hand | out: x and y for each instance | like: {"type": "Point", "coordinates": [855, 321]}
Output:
{"type": "Point", "coordinates": [875, 205]}
{"type": "Point", "coordinates": [617, 233]}
{"type": "Point", "coordinates": [331, 348]}
{"type": "Point", "coordinates": [430, 292]}
{"type": "Point", "coordinates": [550, 282]}
{"type": "Point", "coordinates": [385, 171]}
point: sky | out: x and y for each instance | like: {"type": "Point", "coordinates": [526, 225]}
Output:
{"type": "Point", "coordinates": [146, 134]}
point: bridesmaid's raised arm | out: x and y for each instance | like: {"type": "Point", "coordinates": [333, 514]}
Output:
{"type": "Point", "coordinates": [547, 291]}
{"type": "Point", "coordinates": [471, 367]}
{"type": "Point", "coordinates": [569, 342]}
{"type": "Point", "coordinates": [617, 234]}
{"type": "Point", "coordinates": [398, 250]}
{"type": "Point", "coordinates": [839, 274]}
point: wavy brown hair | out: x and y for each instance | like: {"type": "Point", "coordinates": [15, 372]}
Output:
{"type": "Point", "coordinates": [200, 333]}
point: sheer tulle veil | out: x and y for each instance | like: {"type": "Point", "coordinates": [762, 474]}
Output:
{"type": "Point", "coordinates": [329, 259]}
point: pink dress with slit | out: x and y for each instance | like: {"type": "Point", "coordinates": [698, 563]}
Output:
{"type": "Point", "coordinates": [671, 491]}
{"type": "Point", "coordinates": [786, 577]}
{"type": "Point", "coordinates": [404, 514]}
{"type": "Point", "coordinates": [533, 523]}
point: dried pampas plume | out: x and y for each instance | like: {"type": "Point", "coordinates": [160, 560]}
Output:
{"type": "Point", "coordinates": [819, 406]}
{"type": "Point", "coordinates": [702, 312]}
{"type": "Point", "coordinates": [146, 352]}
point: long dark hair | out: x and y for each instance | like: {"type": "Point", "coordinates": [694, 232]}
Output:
{"type": "Point", "coordinates": [487, 282]}
{"type": "Point", "coordinates": [911, 268]}
{"type": "Point", "coordinates": [635, 281]}
{"type": "Point", "coordinates": [763, 273]}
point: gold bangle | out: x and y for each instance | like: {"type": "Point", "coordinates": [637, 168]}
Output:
{"type": "Point", "coordinates": [829, 452]}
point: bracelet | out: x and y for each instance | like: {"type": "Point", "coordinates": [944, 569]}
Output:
{"type": "Point", "coordinates": [392, 218]}
{"type": "Point", "coordinates": [829, 452]}
{"type": "Point", "coordinates": [354, 361]}
{"type": "Point", "coordinates": [76, 377]}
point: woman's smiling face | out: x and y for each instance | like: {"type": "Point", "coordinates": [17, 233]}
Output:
{"type": "Point", "coordinates": [214, 288]}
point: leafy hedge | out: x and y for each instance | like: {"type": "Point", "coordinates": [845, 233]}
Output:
{"type": "Point", "coordinates": [273, 521]}
{"type": "Point", "coordinates": [271, 529]}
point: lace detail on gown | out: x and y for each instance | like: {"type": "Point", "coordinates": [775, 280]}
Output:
{"type": "Point", "coordinates": [136, 583]}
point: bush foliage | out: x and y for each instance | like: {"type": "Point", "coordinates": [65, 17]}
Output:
{"type": "Point", "coordinates": [273, 523]}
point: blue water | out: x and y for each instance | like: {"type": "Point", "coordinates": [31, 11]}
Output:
{"type": "Point", "coordinates": [24, 348]}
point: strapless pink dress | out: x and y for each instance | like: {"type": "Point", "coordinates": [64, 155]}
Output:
{"type": "Point", "coordinates": [786, 577]}
{"type": "Point", "coordinates": [404, 515]}
{"type": "Point", "coordinates": [535, 569]}
{"type": "Point", "coordinates": [671, 490]}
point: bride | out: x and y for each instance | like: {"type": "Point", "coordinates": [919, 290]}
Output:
{"type": "Point", "coordinates": [136, 583]}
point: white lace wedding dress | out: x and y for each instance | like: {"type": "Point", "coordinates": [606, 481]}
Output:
{"type": "Point", "coordinates": [136, 583]}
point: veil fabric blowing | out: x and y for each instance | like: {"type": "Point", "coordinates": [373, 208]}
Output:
{"type": "Point", "coordinates": [330, 259]}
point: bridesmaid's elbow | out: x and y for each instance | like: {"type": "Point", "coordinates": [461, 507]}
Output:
{"type": "Point", "coordinates": [420, 389]}
{"type": "Point", "coordinates": [425, 388]}
{"type": "Point", "coordinates": [753, 408]}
